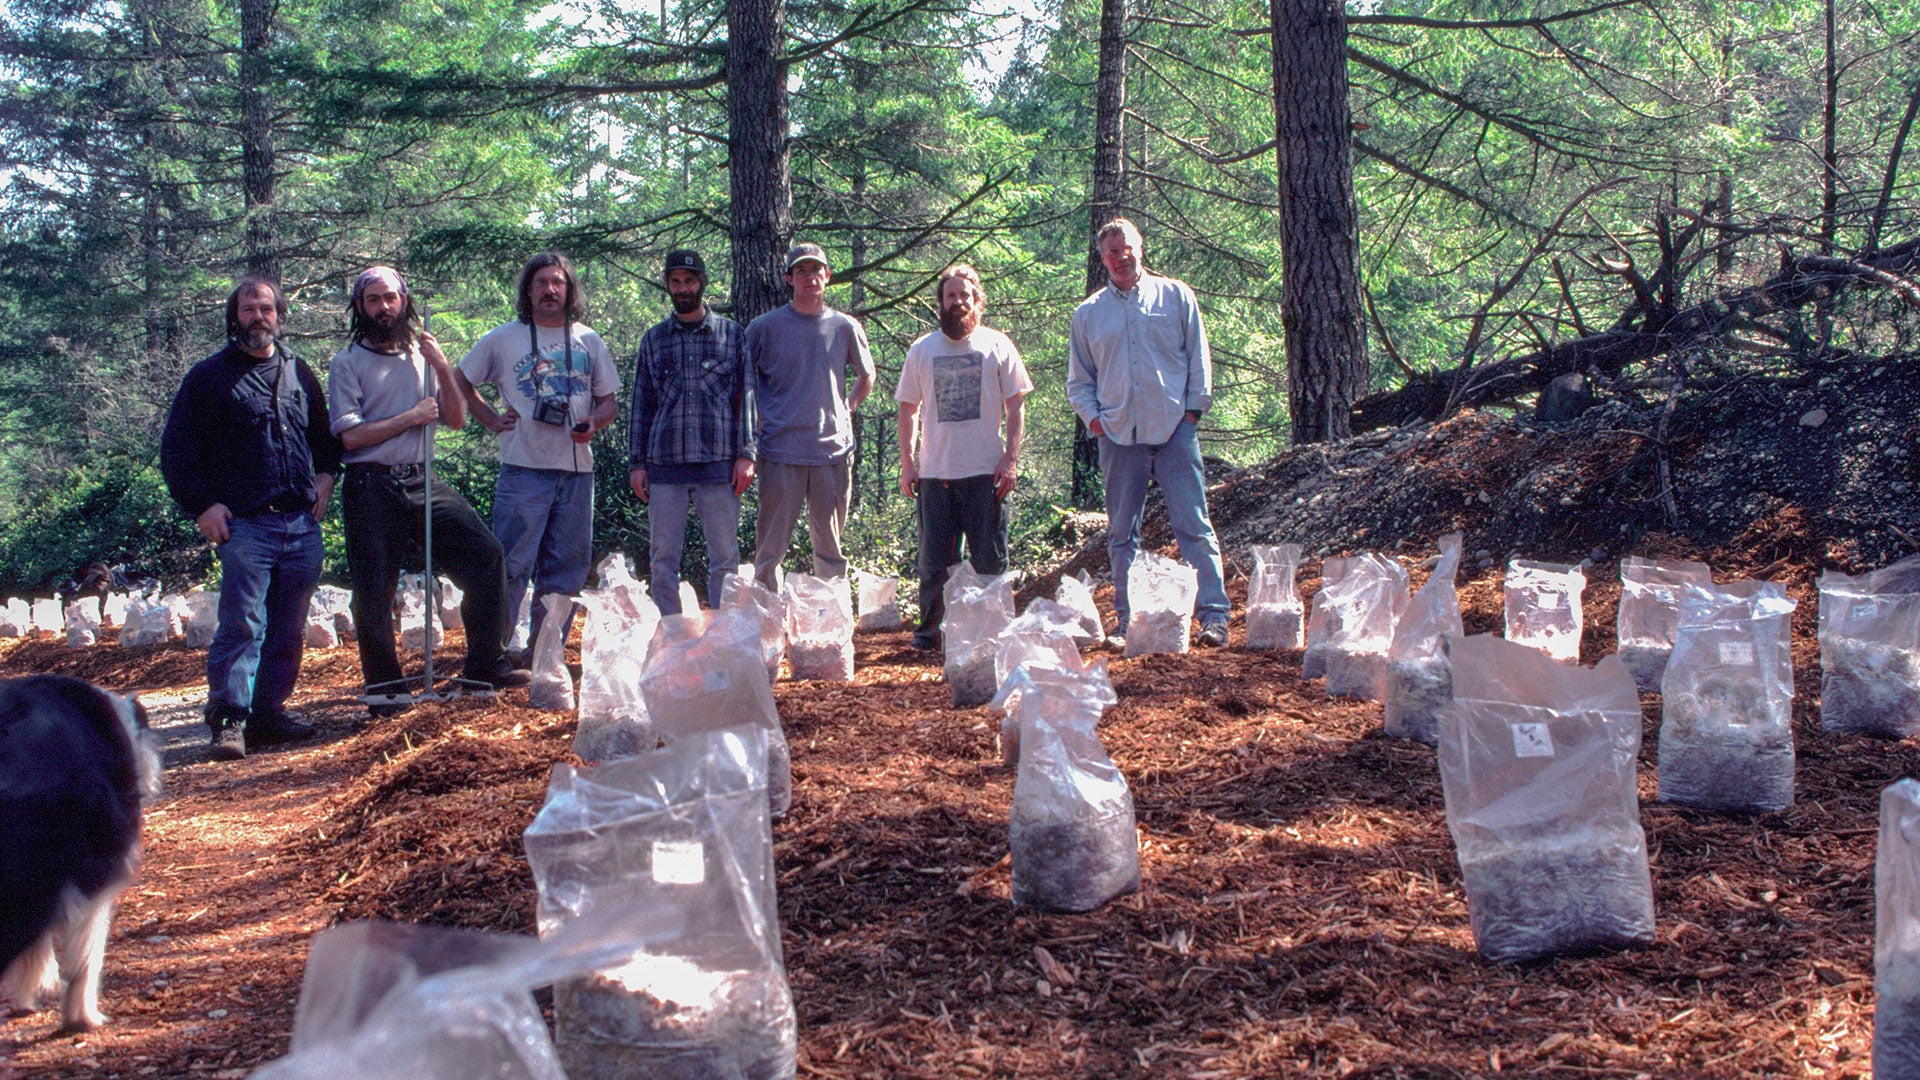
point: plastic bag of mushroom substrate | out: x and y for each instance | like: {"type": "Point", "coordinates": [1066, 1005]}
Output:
{"type": "Point", "coordinates": [16, 618]}
{"type": "Point", "coordinates": [879, 598]}
{"type": "Point", "coordinates": [1650, 613]}
{"type": "Point", "coordinates": [1896, 934]}
{"type": "Point", "coordinates": [1028, 644]}
{"type": "Point", "coordinates": [713, 682]}
{"type": "Point", "coordinates": [449, 597]}
{"type": "Point", "coordinates": [552, 686]}
{"type": "Point", "coordinates": [1160, 596]}
{"type": "Point", "coordinates": [1354, 614]}
{"type": "Point", "coordinates": [1276, 619]}
{"type": "Point", "coordinates": [83, 622]}
{"type": "Point", "coordinates": [50, 618]}
{"type": "Point", "coordinates": [613, 654]}
{"type": "Point", "coordinates": [147, 621]}
{"type": "Point", "coordinates": [1071, 834]}
{"type": "Point", "coordinates": [684, 831]}
{"type": "Point", "coordinates": [1870, 650]}
{"type": "Point", "coordinates": [1543, 607]}
{"type": "Point", "coordinates": [1419, 679]}
{"type": "Point", "coordinates": [1537, 766]}
{"type": "Point", "coordinates": [1726, 700]}
{"type": "Point", "coordinates": [819, 628]}
{"type": "Point", "coordinates": [329, 617]}
{"type": "Point", "coordinates": [740, 590]}
{"type": "Point", "coordinates": [415, 624]}
{"type": "Point", "coordinates": [1076, 594]}
{"type": "Point", "coordinates": [978, 608]}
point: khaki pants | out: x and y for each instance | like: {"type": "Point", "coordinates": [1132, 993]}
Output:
{"type": "Point", "coordinates": [826, 491]}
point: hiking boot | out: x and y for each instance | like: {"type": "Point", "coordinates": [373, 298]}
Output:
{"type": "Point", "coordinates": [229, 743]}
{"type": "Point", "coordinates": [506, 675]}
{"type": "Point", "coordinates": [268, 729]}
{"type": "Point", "coordinates": [1214, 634]}
{"type": "Point", "coordinates": [926, 641]}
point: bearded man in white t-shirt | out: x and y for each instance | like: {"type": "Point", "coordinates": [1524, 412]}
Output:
{"type": "Point", "coordinates": [958, 389]}
{"type": "Point", "coordinates": [557, 382]}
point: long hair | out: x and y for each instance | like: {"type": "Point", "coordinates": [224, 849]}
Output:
{"type": "Point", "coordinates": [523, 287]}
{"type": "Point", "coordinates": [246, 285]}
{"type": "Point", "coordinates": [409, 324]}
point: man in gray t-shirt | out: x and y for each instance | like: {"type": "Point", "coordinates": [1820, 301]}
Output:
{"type": "Point", "coordinates": [801, 353]}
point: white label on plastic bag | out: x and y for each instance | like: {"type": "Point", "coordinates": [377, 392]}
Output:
{"type": "Point", "coordinates": [1865, 610]}
{"type": "Point", "coordinates": [679, 862]}
{"type": "Point", "coordinates": [1532, 740]}
{"type": "Point", "coordinates": [1736, 653]}
{"type": "Point", "coordinates": [1549, 601]}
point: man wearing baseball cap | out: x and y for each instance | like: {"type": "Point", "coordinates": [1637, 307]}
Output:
{"type": "Point", "coordinates": [690, 439]}
{"type": "Point", "coordinates": [801, 353]}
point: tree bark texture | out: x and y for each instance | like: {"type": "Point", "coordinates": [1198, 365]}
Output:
{"type": "Point", "coordinates": [256, 139]}
{"type": "Point", "coordinates": [760, 183]}
{"type": "Point", "coordinates": [1108, 198]}
{"type": "Point", "coordinates": [1319, 237]}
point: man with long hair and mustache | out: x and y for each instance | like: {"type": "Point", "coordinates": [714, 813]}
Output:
{"type": "Point", "coordinates": [385, 418]}
{"type": "Point", "coordinates": [248, 453]}
{"type": "Point", "coordinates": [957, 387]}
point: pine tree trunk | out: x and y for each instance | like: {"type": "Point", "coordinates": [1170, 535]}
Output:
{"type": "Point", "coordinates": [1108, 198]}
{"type": "Point", "coordinates": [762, 189]}
{"type": "Point", "coordinates": [1319, 240]}
{"type": "Point", "coordinates": [256, 139]}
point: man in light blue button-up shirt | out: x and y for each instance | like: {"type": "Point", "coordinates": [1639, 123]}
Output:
{"type": "Point", "coordinates": [1139, 375]}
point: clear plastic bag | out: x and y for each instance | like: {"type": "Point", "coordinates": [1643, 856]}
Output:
{"type": "Point", "coordinates": [1650, 594]}
{"type": "Point", "coordinates": [50, 618]}
{"type": "Point", "coordinates": [552, 686]}
{"type": "Point", "coordinates": [1160, 598]}
{"type": "Point", "coordinates": [740, 590]}
{"type": "Point", "coordinates": [333, 604]}
{"type": "Point", "coordinates": [1071, 833]}
{"type": "Point", "coordinates": [1726, 699]}
{"type": "Point", "coordinates": [148, 622]}
{"type": "Point", "coordinates": [413, 615]}
{"type": "Point", "coordinates": [1040, 643]}
{"type": "Point", "coordinates": [978, 609]}
{"type": "Point", "coordinates": [113, 610]}
{"type": "Point", "coordinates": [449, 598]}
{"type": "Point", "coordinates": [1870, 651]}
{"type": "Point", "coordinates": [1543, 607]}
{"type": "Point", "coordinates": [714, 682]}
{"type": "Point", "coordinates": [819, 628]}
{"type": "Point", "coordinates": [684, 831]}
{"type": "Point", "coordinates": [1896, 935]}
{"type": "Point", "coordinates": [1276, 619]}
{"type": "Point", "coordinates": [1419, 680]}
{"type": "Point", "coordinates": [879, 601]}
{"type": "Point", "coordinates": [82, 618]}
{"type": "Point", "coordinates": [1537, 766]}
{"type": "Point", "coordinates": [16, 618]}
{"type": "Point", "coordinates": [675, 629]}
{"type": "Point", "coordinates": [1359, 601]}
{"type": "Point", "coordinates": [613, 655]}
{"type": "Point", "coordinates": [1076, 594]}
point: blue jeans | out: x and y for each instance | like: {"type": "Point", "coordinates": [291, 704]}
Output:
{"type": "Point", "coordinates": [268, 569]}
{"type": "Point", "coordinates": [1175, 465]}
{"type": "Point", "coordinates": [544, 520]}
{"type": "Point", "coordinates": [719, 510]}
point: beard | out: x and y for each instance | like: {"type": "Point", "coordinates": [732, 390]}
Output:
{"type": "Point", "coordinates": [688, 303]}
{"type": "Point", "coordinates": [256, 335]}
{"type": "Point", "coordinates": [958, 324]}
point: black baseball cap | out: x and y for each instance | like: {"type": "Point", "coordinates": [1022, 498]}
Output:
{"type": "Point", "coordinates": [684, 259]}
{"type": "Point", "coordinates": [800, 253]}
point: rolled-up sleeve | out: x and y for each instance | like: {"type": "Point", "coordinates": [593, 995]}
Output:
{"type": "Point", "coordinates": [343, 394]}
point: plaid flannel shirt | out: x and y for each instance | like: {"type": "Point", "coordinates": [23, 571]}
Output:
{"type": "Point", "coordinates": [692, 394]}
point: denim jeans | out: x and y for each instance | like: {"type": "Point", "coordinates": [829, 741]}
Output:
{"type": "Point", "coordinates": [268, 569]}
{"type": "Point", "coordinates": [1175, 465]}
{"type": "Point", "coordinates": [825, 491]}
{"type": "Point", "coordinates": [719, 510]}
{"type": "Point", "coordinates": [951, 511]}
{"type": "Point", "coordinates": [544, 520]}
{"type": "Point", "coordinates": [385, 518]}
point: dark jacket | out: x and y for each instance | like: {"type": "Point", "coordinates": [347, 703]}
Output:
{"type": "Point", "coordinates": [226, 442]}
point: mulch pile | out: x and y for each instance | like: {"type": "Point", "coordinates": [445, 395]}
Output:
{"type": "Point", "coordinates": [1301, 913]}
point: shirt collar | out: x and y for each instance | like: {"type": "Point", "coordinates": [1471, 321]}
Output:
{"type": "Point", "coordinates": [705, 323]}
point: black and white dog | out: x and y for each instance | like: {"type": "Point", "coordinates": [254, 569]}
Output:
{"type": "Point", "coordinates": [76, 767]}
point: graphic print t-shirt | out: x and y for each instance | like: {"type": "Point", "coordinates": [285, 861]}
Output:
{"type": "Point", "coordinates": [507, 357]}
{"type": "Point", "coordinates": [961, 388]}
